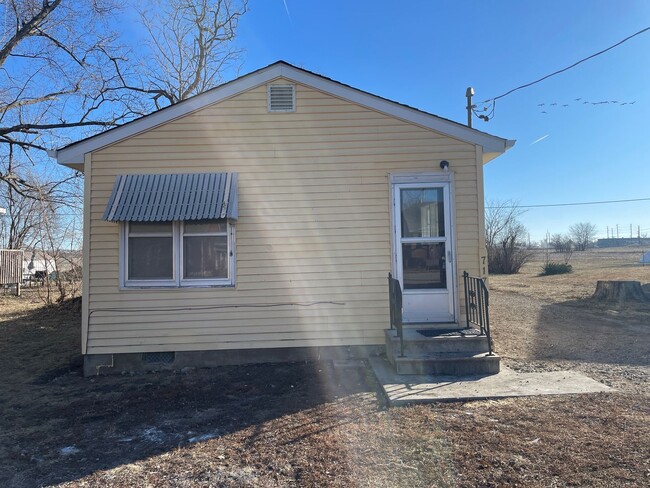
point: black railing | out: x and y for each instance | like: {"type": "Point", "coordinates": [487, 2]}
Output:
{"type": "Point", "coordinates": [395, 296]}
{"type": "Point", "coordinates": [477, 301]}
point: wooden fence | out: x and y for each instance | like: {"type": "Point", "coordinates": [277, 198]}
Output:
{"type": "Point", "coordinates": [11, 268]}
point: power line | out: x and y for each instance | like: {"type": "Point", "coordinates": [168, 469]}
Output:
{"type": "Point", "coordinates": [571, 204]}
{"type": "Point", "coordinates": [568, 67]}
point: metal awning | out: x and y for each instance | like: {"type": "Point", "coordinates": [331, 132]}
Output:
{"type": "Point", "coordinates": [168, 197]}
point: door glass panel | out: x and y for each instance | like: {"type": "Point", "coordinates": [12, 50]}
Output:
{"type": "Point", "coordinates": [424, 265]}
{"type": "Point", "coordinates": [423, 213]}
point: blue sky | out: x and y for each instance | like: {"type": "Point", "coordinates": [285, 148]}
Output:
{"type": "Point", "coordinates": [425, 54]}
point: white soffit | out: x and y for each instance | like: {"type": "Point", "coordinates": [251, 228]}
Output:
{"type": "Point", "coordinates": [73, 155]}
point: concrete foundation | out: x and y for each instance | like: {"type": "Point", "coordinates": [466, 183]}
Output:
{"type": "Point", "coordinates": [105, 364]}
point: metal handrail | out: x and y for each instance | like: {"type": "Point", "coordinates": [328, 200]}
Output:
{"type": "Point", "coordinates": [477, 301]}
{"type": "Point", "coordinates": [395, 298]}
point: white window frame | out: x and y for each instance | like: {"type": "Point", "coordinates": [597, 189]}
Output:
{"type": "Point", "coordinates": [177, 255]}
{"type": "Point", "coordinates": [202, 281]}
{"type": "Point", "coordinates": [281, 85]}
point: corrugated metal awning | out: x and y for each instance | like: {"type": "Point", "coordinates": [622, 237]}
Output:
{"type": "Point", "coordinates": [163, 198]}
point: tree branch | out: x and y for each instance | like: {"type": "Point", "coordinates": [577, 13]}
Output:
{"type": "Point", "coordinates": [27, 28]}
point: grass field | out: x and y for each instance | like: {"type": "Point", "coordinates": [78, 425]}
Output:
{"type": "Point", "coordinates": [324, 424]}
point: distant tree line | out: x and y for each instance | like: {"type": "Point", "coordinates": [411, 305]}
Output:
{"type": "Point", "coordinates": [506, 238]}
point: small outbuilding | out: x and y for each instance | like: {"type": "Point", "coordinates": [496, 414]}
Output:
{"type": "Point", "coordinates": [258, 221]}
{"type": "Point", "coordinates": [38, 264]}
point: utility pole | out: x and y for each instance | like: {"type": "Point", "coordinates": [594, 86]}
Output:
{"type": "Point", "coordinates": [469, 93]}
{"type": "Point", "coordinates": [631, 231]}
{"type": "Point", "coordinates": [617, 231]}
{"type": "Point", "coordinates": [608, 231]}
{"type": "Point", "coordinates": [548, 240]}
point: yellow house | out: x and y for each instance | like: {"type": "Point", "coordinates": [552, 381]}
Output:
{"type": "Point", "coordinates": [258, 221]}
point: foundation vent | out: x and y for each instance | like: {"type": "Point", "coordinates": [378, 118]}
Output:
{"type": "Point", "coordinates": [158, 357]}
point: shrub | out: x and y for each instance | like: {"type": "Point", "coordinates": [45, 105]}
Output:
{"type": "Point", "coordinates": [555, 269]}
{"type": "Point", "coordinates": [507, 259]}
{"type": "Point", "coordinates": [504, 234]}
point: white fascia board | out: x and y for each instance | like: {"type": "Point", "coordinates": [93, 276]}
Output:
{"type": "Point", "coordinates": [73, 155]}
{"type": "Point", "coordinates": [457, 131]}
{"type": "Point", "coordinates": [489, 156]}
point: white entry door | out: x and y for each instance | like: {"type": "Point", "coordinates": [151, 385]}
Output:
{"type": "Point", "coordinates": [423, 251]}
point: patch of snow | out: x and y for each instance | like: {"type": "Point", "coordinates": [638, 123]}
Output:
{"type": "Point", "coordinates": [203, 437]}
{"type": "Point", "coordinates": [68, 451]}
{"type": "Point", "coordinates": [153, 434]}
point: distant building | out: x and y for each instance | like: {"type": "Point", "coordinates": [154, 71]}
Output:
{"type": "Point", "coordinates": [623, 241]}
{"type": "Point", "coordinates": [37, 262]}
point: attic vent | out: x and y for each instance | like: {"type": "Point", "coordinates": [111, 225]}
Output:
{"type": "Point", "coordinates": [282, 98]}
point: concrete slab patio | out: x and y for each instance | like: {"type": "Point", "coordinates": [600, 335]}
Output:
{"type": "Point", "coordinates": [410, 389]}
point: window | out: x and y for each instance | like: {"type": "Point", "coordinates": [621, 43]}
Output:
{"type": "Point", "coordinates": [205, 250]}
{"type": "Point", "coordinates": [175, 254]}
{"type": "Point", "coordinates": [151, 251]}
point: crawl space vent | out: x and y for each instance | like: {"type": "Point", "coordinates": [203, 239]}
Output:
{"type": "Point", "coordinates": [158, 357]}
{"type": "Point", "coordinates": [282, 98]}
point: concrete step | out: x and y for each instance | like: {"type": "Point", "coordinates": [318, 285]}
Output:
{"type": "Point", "coordinates": [452, 364]}
{"type": "Point", "coordinates": [417, 345]}
{"type": "Point", "coordinates": [433, 325]}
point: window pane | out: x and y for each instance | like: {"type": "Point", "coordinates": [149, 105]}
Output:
{"type": "Point", "coordinates": [150, 258]}
{"type": "Point", "coordinates": [205, 227]}
{"type": "Point", "coordinates": [150, 227]}
{"type": "Point", "coordinates": [422, 212]}
{"type": "Point", "coordinates": [424, 266]}
{"type": "Point", "coordinates": [205, 257]}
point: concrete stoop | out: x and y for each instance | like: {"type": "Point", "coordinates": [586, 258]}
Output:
{"type": "Point", "coordinates": [458, 353]}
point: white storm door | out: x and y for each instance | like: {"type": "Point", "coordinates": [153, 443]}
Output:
{"type": "Point", "coordinates": [423, 251]}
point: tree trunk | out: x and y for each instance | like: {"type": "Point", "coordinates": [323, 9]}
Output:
{"type": "Point", "coordinates": [620, 291]}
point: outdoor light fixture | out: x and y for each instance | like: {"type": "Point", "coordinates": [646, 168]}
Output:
{"type": "Point", "coordinates": [444, 165]}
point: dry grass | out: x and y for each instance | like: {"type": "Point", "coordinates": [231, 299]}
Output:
{"type": "Point", "coordinates": [551, 322]}
{"type": "Point", "coordinates": [303, 424]}
{"type": "Point", "coordinates": [598, 440]}
{"type": "Point", "coordinates": [588, 267]}
{"type": "Point", "coordinates": [320, 424]}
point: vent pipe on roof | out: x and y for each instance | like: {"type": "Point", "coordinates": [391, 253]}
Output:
{"type": "Point", "coordinates": [469, 93]}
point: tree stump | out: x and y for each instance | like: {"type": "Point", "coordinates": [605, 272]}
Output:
{"type": "Point", "coordinates": [620, 291]}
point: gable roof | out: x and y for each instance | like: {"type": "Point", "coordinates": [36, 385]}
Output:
{"type": "Point", "coordinates": [72, 155]}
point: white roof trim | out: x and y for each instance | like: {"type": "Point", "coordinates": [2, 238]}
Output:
{"type": "Point", "coordinates": [73, 155]}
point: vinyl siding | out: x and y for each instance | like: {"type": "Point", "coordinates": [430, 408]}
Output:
{"type": "Point", "coordinates": [314, 224]}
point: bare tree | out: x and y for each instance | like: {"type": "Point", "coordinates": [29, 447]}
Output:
{"type": "Point", "coordinates": [583, 234]}
{"type": "Point", "coordinates": [192, 44]}
{"type": "Point", "coordinates": [504, 237]}
{"type": "Point", "coordinates": [63, 74]}
{"type": "Point", "coordinates": [56, 77]}
{"type": "Point", "coordinates": [59, 252]}
{"type": "Point", "coordinates": [49, 193]}
{"type": "Point", "coordinates": [562, 243]}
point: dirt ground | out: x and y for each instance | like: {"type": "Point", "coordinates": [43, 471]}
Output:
{"type": "Point", "coordinates": [324, 424]}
